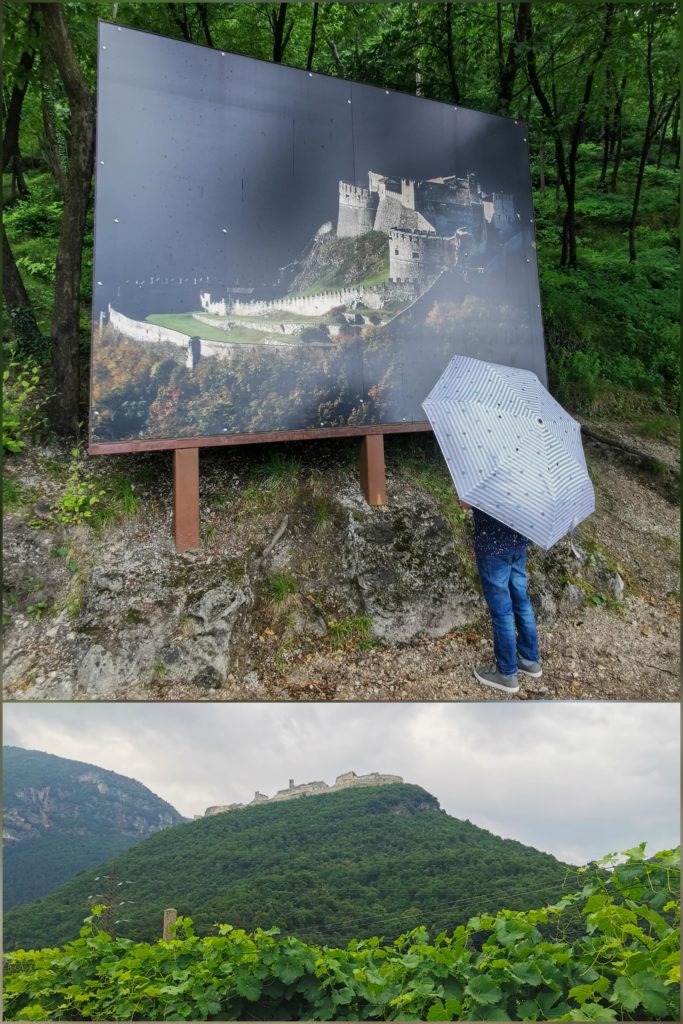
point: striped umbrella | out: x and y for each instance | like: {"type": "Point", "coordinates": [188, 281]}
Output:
{"type": "Point", "coordinates": [511, 449]}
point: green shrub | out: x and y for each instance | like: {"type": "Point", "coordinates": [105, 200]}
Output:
{"type": "Point", "coordinates": [82, 493]}
{"type": "Point", "coordinates": [23, 405]}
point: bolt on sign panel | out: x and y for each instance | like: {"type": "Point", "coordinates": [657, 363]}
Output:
{"type": "Point", "coordinates": [279, 252]}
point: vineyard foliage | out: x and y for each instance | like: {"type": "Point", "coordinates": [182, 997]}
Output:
{"type": "Point", "coordinates": [624, 964]}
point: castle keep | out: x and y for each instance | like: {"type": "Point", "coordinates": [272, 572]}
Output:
{"type": "Point", "coordinates": [344, 781]}
{"type": "Point", "coordinates": [432, 225]}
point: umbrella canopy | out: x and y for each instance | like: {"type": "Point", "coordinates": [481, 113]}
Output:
{"type": "Point", "coordinates": [511, 449]}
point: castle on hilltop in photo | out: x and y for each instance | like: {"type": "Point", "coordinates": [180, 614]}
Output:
{"type": "Point", "coordinates": [345, 781]}
{"type": "Point", "coordinates": [432, 225]}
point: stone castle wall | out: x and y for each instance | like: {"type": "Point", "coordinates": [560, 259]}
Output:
{"type": "Point", "coordinates": [303, 305]}
{"type": "Point", "coordinates": [195, 348]}
{"type": "Point", "coordinates": [347, 780]}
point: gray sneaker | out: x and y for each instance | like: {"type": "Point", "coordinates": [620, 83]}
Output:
{"type": "Point", "coordinates": [529, 668]}
{"type": "Point", "coordinates": [490, 676]}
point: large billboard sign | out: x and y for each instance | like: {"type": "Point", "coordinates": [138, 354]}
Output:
{"type": "Point", "coordinates": [278, 251]}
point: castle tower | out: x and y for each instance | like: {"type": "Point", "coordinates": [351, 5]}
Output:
{"type": "Point", "coordinates": [408, 193]}
{"type": "Point", "coordinates": [357, 208]}
{"type": "Point", "coordinates": [503, 211]}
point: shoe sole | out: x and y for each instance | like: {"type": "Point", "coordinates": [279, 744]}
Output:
{"type": "Point", "coordinates": [534, 675]}
{"type": "Point", "coordinates": [495, 686]}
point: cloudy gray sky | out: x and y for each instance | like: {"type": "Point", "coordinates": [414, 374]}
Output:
{"type": "Point", "coordinates": [577, 780]}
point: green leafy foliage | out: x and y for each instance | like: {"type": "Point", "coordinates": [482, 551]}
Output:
{"type": "Point", "coordinates": [82, 493]}
{"type": "Point", "coordinates": [494, 967]}
{"type": "Point", "coordinates": [23, 402]}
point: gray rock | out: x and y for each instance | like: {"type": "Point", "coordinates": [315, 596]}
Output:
{"type": "Point", "coordinates": [98, 673]}
{"type": "Point", "coordinates": [573, 596]}
{"type": "Point", "coordinates": [216, 608]}
{"type": "Point", "coordinates": [403, 569]}
{"type": "Point", "coordinates": [107, 580]}
{"type": "Point", "coordinates": [616, 586]}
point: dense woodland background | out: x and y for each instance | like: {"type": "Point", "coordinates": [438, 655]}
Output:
{"type": "Point", "coordinates": [597, 83]}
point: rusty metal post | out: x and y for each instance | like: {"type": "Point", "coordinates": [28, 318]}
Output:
{"type": "Point", "coordinates": [372, 478]}
{"type": "Point", "coordinates": [170, 918]}
{"type": "Point", "coordinates": [186, 498]}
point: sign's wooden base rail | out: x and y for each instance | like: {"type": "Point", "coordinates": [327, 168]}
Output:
{"type": "Point", "coordinates": [186, 525]}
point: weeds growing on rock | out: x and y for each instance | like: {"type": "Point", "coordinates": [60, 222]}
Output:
{"type": "Point", "coordinates": [281, 585]}
{"type": "Point", "coordinates": [82, 492]}
{"type": "Point", "coordinates": [354, 631]}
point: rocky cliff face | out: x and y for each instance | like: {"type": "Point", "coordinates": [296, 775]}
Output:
{"type": "Point", "coordinates": [61, 816]}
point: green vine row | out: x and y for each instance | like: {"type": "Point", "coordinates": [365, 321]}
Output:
{"type": "Point", "coordinates": [609, 951]}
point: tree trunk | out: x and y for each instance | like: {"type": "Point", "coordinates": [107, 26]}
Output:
{"type": "Point", "coordinates": [280, 36]}
{"type": "Point", "coordinates": [656, 116]}
{"type": "Point", "coordinates": [452, 74]}
{"type": "Point", "coordinates": [662, 137]}
{"type": "Point", "coordinates": [514, 58]}
{"type": "Point", "coordinates": [606, 145]}
{"type": "Point", "coordinates": [10, 142]}
{"type": "Point", "coordinates": [674, 126]}
{"type": "Point", "coordinates": [66, 318]}
{"type": "Point", "coordinates": [541, 167]}
{"type": "Point", "coordinates": [577, 134]}
{"type": "Point", "coordinates": [19, 309]}
{"type": "Point", "coordinates": [54, 157]}
{"type": "Point", "coordinates": [204, 18]}
{"type": "Point", "coordinates": [311, 45]}
{"type": "Point", "coordinates": [182, 21]}
{"type": "Point", "coordinates": [636, 196]}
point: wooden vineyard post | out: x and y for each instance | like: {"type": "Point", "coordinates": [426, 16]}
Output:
{"type": "Point", "coordinates": [170, 918]}
{"type": "Point", "coordinates": [372, 479]}
{"type": "Point", "coordinates": [186, 498]}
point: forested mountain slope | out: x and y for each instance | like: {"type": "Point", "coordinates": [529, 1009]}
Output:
{"type": "Point", "coordinates": [61, 816]}
{"type": "Point", "coordinates": [377, 860]}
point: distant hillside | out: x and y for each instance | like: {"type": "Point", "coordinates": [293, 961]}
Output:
{"type": "Point", "coordinates": [376, 860]}
{"type": "Point", "coordinates": [61, 816]}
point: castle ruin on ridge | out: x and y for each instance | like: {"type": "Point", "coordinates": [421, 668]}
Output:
{"type": "Point", "coordinates": [345, 781]}
{"type": "Point", "coordinates": [432, 225]}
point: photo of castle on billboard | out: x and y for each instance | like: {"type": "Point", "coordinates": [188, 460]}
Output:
{"type": "Point", "coordinates": [316, 265]}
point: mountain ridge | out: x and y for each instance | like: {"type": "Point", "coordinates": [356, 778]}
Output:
{"type": "Point", "coordinates": [371, 860]}
{"type": "Point", "coordinates": [61, 816]}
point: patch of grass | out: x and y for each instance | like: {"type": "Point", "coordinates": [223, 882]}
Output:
{"type": "Point", "coordinates": [322, 509]}
{"type": "Point", "coordinates": [186, 625]}
{"type": "Point", "coordinates": [281, 654]}
{"type": "Point", "coordinates": [53, 468]}
{"type": "Point", "coordinates": [277, 469]}
{"type": "Point", "coordinates": [218, 499]}
{"type": "Point", "coordinates": [353, 631]}
{"type": "Point", "coordinates": [120, 502]}
{"type": "Point", "coordinates": [74, 601]}
{"type": "Point", "coordinates": [260, 498]}
{"type": "Point", "coordinates": [659, 425]}
{"type": "Point", "coordinates": [159, 671]}
{"type": "Point", "coordinates": [209, 532]}
{"type": "Point", "coordinates": [281, 585]}
{"type": "Point", "coordinates": [11, 493]}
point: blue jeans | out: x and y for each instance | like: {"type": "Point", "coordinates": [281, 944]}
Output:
{"type": "Point", "coordinates": [504, 583]}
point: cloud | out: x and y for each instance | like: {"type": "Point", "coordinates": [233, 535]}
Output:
{"type": "Point", "coordinates": [578, 780]}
